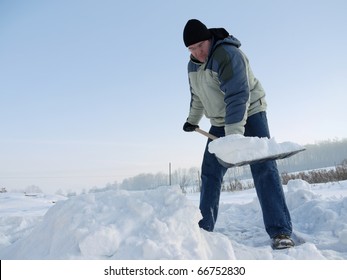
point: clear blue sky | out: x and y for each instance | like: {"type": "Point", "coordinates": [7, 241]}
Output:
{"type": "Point", "coordinates": [93, 92]}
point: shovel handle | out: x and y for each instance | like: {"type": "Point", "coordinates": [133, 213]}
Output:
{"type": "Point", "coordinates": [212, 137]}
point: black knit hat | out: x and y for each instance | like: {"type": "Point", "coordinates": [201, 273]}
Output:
{"type": "Point", "coordinates": [195, 31]}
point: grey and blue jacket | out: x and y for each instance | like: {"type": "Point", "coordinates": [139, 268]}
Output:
{"type": "Point", "coordinates": [224, 88]}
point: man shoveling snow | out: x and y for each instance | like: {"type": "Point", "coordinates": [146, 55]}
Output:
{"type": "Point", "coordinates": [223, 87]}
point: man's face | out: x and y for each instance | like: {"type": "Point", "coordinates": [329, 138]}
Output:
{"type": "Point", "coordinates": [200, 50]}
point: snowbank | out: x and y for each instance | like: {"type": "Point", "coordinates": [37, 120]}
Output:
{"type": "Point", "coordinates": [317, 217]}
{"type": "Point", "coordinates": [162, 224]}
{"type": "Point", "coordinates": [153, 224]}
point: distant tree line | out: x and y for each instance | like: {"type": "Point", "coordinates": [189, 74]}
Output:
{"type": "Point", "coordinates": [182, 177]}
{"type": "Point", "coordinates": [322, 154]}
{"type": "Point", "coordinates": [338, 173]}
{"type": "Point", "coordinates": [331, 153]}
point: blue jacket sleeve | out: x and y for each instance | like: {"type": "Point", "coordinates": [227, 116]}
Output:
{"type": "Point", "coordinates": [232, 73]}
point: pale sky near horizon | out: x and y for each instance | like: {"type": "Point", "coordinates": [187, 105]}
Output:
{"type": "Point", "coordinates": [92, 92]}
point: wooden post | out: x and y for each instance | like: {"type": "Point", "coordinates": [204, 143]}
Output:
{"type": "Point", "coordinates": [169, 173]}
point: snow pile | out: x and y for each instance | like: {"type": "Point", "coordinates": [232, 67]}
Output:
{"type": "Point", "coordinates": [325, 219]}
{"type": "Point", "coordinates": [162, 224]}
{"type": "Point", "coordinates": [319, 217]}
{"type": "Point", "coordinates": [153, 224]}
{"type": "Point", "coordinates": [237, 148]}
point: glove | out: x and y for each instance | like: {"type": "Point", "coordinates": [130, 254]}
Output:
{"type": "Point", "coordinates": [187, 127]}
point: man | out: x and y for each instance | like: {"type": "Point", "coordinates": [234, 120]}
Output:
{"type": "Point", "coordinates": [224, 89]}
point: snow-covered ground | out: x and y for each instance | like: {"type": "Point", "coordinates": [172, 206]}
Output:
{"type": "Point", "coordinates": [162, 224]}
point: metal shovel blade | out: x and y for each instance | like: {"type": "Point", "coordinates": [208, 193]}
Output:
{"type": "Point", "coordinates": [253, 161]}
{"type": "Point", "coordinates": [260, 160]}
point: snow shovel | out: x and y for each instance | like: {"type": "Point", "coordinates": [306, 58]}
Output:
{"type": "Point", "coordinates": [252, 161]}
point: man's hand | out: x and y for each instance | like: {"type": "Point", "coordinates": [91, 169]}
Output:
{"type": "Point", "coordinates": [187, 127]}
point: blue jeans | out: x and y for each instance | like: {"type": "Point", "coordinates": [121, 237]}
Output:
{"type": "Point", "coordinates": [266, 179]}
